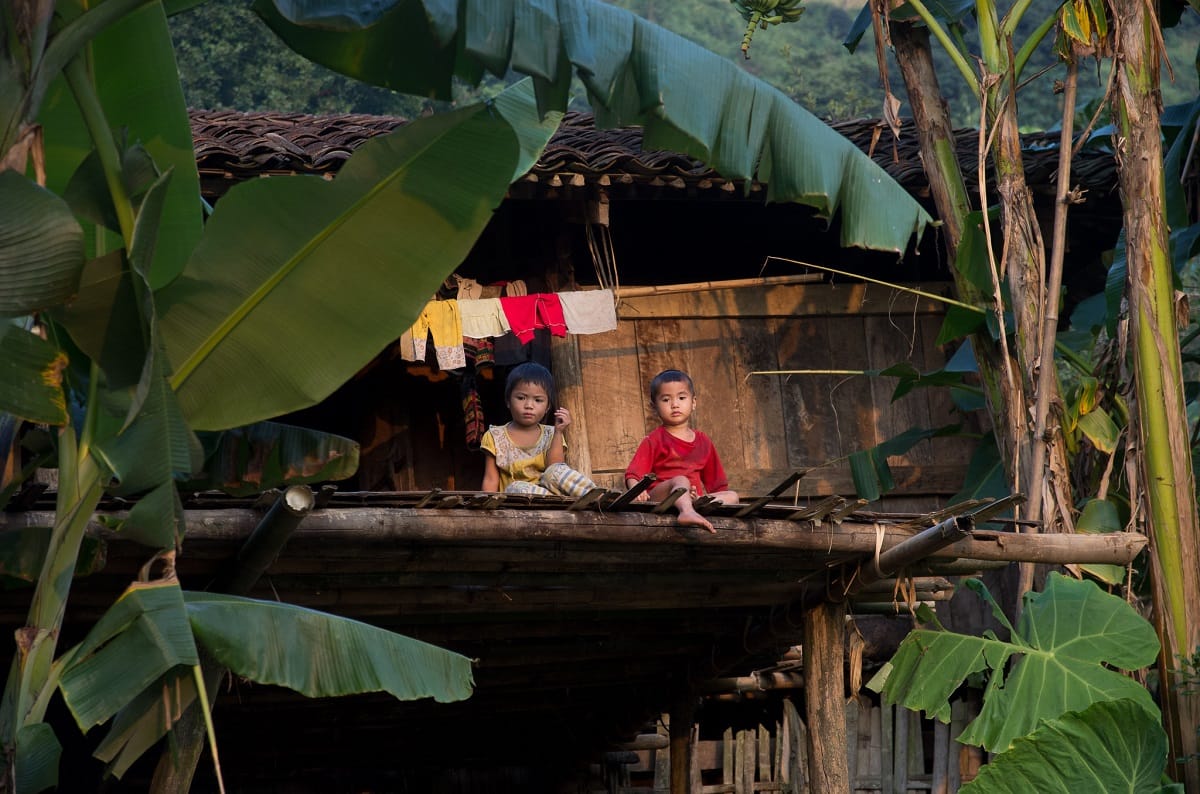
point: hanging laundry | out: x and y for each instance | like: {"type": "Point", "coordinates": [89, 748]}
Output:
{"type": "Point", "coordinates": [407, 348]}
{"type": "Point", "coordinates": [589, 311]}
{"type": "Point", "coordinates": [473, 421]}
{"type": "Point", "coordinates": [516, 288]}
{"type": "Point", "coordinates": [480, 355]}
{"type": "Point", "coordinates": [482, 318]}
{"type": "Point", "coordinates": [529, 312]}
{"type": "Point", "coordinates": [441, 321]}
{"type": "Point", "coordinates": [468, 288]}
{"type": "Point", "coordinates": [510, 351]}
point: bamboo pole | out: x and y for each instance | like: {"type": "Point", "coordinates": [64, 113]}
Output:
{"type": "Point", "coordinates": [918, 547]}
{"type": "Point", "coordinates": [708, 286]}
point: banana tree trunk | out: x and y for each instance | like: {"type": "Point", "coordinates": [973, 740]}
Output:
{"type": "Point", "coordinates": [32, 677]}
{"type": "Point", "coordinates": [1168, 499]}
{"type": "Point", "coordinates": [1029, 459]}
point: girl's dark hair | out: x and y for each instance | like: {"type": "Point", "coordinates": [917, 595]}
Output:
{"type": "Point", "coordinates": [670, 376]}
{"type": "Point", "coordinates": [529, 372]}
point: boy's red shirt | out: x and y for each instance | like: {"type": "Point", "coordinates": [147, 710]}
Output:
{"type": "Point", "coordinates": [667, 456]}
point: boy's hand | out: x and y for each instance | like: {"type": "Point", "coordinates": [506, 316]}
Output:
{"type": "Point", "coordinates": [642, 497]}
{"type": "Point", "coordinates": [562, 418]}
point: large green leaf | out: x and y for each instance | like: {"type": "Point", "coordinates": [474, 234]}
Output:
{"type": "Point", "coordinates": [1112, 747]}
{"type": "Point", "coordinates": [23, 553]}
{"type": "Point", "coordinates": [321, 655]}
{"type": "Point", "coordinates": [265, 455]}
{"type": "Point", "coordinates": [134, 66]}
{"type": "Point", "coordinates": [1067, 639]}
{"type": "Point", "coordinates": [156, 446]}
{"type": "Point", "coordinates": [41, 247]}
{"type": "Point", "coordinates": [31, 376]}
{"type": "Point", "coordinates": [158, 519]}
{"type": "Point", "coordinates": [146, 719]}
{"type": "Point", "coordinates": [688, 99]}
{"type": "Point", "coordinates": [299, 282]}
{"type": "Point", "coordinates": [103, 320]}
{"type": "Point", "coordinates": [142, 636]}
{"type": "Point", "coordinates": [37, 755]}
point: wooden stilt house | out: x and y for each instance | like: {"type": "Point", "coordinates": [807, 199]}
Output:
{"type": "Point", "coordinates": [617, 651]}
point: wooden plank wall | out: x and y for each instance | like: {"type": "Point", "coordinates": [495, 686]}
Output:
{"type": "Point", "coordinates": [891, 751]}
{"type": "Point", "coordinates": [765, 426]}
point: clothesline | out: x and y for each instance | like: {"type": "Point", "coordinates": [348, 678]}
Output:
{"type": "Point", "coordinates": [448, 322]}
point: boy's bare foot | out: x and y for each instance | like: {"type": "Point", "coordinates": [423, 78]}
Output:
{"type": "Point", "coordinates": [690, 518]}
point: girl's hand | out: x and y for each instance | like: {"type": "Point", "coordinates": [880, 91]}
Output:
{"type": "Point", "coordinates": [562, 418]}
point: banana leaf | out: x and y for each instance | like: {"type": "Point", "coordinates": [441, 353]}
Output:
{"type": "Point", "coordinates": [688, 99]}
{"type": "Point", "coordinates": [321, 655]}
{"type": "Point", "coordinates": [299, 282]}
{"type": "Point", "coordinates": [249, 460]}
{"type": "Point", "coordinates": [1067, 641]}
{"type": "Point", "coordinates": [146, 719]}
{"type": "Point", "coordinates": [41, 247]}
{"type": "Point", "coordinates": [31, 376]}
{"type": "Point", "coordinates": [133, 62]}
{"type": "Point", "coordinates": [23, 553]}
{"type": "Point", "coordinates": [142, 636]}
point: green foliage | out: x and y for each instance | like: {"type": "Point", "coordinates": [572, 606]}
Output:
{"type": "Point", "coordinates": [1111, 747]}
{"type": "Point", "coordinates": [256, 458]}
{"type": "Point", "coordinates": [392, 205]}
{"type": "Point", "coordinates": [229, 60]}
{"type": "Point", "coordinates": [1060, 658]}
{"type": "Point", "coordinates": [869, 467]}
{"type": "Point", "coordinates": [322, 655]}
{"type": "Point", "coordinates": [635, 73]}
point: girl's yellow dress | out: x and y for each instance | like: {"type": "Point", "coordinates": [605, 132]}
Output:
{"type": "Point", "coordinates": [517, 464]}
{"type": "Point", "coordinates": [525, 470]}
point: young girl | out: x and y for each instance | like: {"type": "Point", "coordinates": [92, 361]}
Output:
{"type": "Point", "coordinates": [526, 456]}
{"type": "Point", "coordinates": [680, 456]}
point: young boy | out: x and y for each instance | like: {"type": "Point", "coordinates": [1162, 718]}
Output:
{"type": "Point", "coordinates": [680, 456]}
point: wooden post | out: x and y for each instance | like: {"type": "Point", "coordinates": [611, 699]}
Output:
{"type": "Point", "coordinates": [683, 714]}
{"type": "Point", "coordinates": [568, 387]}
{"type": "Point", "coordinates": [825, 698]}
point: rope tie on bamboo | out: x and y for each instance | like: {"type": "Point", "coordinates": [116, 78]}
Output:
{"type": "Point", "coordinates": [879, 535]}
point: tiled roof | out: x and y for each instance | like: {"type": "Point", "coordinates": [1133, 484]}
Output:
{"type": "Point", "coordinates": [232, 146]}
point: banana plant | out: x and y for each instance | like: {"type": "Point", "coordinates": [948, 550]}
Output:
{"type": "Point", "coordinates": [98, 366]}
{"type": "Point", "coordinates": [763, 13]}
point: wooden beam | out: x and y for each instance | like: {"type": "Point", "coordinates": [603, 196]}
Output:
{"type": "Point", "coordinates": [568, 387]}
{"type": "Point", "coordinates": [339, 528]}
{"type": "Point", "coordinates": [825, 698]}
{"type": "Point", "coordinates": [683, 717]}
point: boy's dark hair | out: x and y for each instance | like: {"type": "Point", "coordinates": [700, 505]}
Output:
{"type": "Point", "coordinates": [670, 376]}
{"type": "Point", "coordinates": [529, 372]}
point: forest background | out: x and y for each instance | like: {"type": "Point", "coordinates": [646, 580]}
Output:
{"type": "Point", "coordinates": [229, 60]}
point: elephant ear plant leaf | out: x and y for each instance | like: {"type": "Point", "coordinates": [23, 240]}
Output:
{"type": "Point", "coordinates": [1062, 652]}
{"type": "Point", "coordinates": [1109, 747]}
